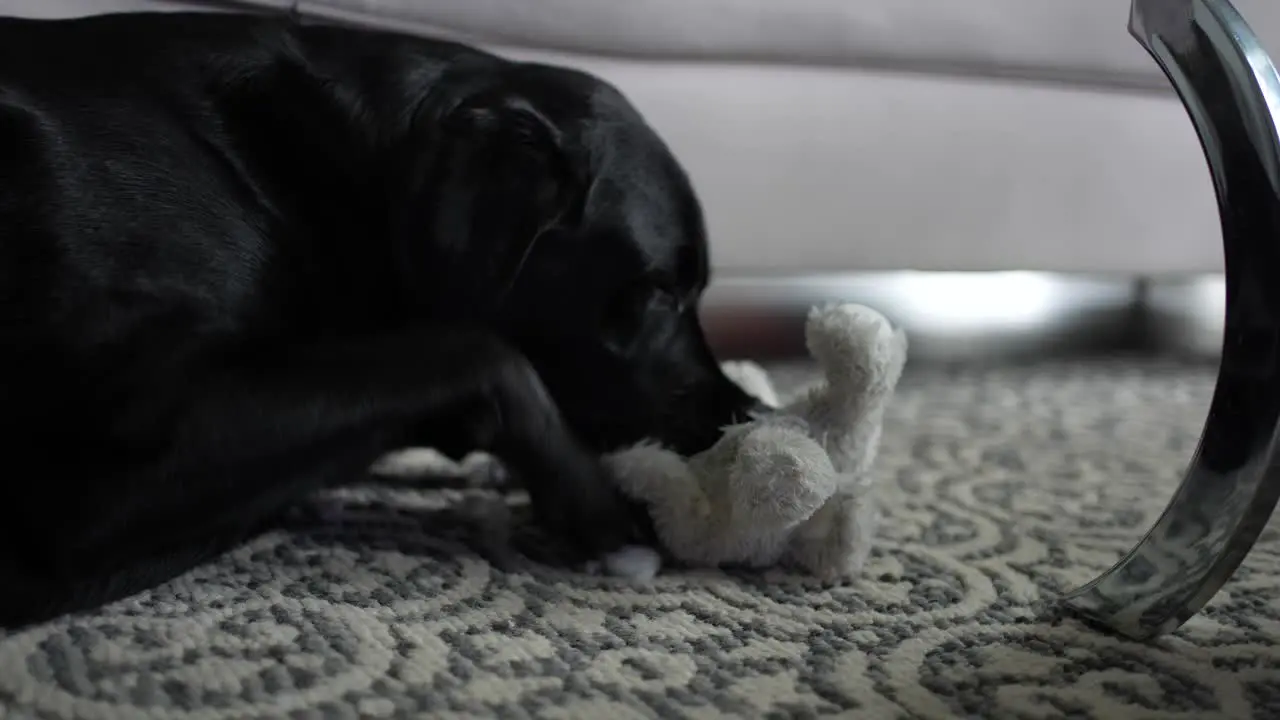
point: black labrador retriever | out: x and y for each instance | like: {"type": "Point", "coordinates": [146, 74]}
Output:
{"type": "Point", "coordinates": [242, 257]}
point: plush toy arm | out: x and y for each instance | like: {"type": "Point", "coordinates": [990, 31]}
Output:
{"type": "Point", "coordinates": [763, 480]}
{"type": "Point", "coordinates": [862, 356]}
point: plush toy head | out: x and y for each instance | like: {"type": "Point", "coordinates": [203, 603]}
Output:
{"type": "Point", "coordinates": [791, 486]}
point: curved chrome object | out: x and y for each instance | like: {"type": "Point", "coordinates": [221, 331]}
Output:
{"type": "Point", "coordinates": [1232, 93]}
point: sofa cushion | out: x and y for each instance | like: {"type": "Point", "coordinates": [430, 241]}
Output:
{"type": "Point", "coordinates": [76, 8]}
{"type": "Point", "coordinates": [1072, 40]}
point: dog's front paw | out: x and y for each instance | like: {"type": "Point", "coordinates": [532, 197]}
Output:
{"type": "Point", "coordinates": [585, 507]}
{"type": "Point", "coordinates": [477, 470]}
{"type": "Point", "coordinates": [633, 562]}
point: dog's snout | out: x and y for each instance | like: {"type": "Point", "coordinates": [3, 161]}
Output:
{"type": "Point", "coordinates": [739, 404]}
{"type": "Point", "coordinates": [756, 409]}
{"type": "Point", "coordinates": [741, 410]}
{"type": "Point", "coordinates": [721, 404]}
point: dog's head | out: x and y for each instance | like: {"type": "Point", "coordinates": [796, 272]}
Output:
{"type": "Point", "coordinates": [581, 235]}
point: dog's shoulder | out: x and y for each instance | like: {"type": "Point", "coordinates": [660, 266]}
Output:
{"type": "Point", "coordinates": [207, 165]}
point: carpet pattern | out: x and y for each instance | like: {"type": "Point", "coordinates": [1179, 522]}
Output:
{"type": "Point", "coordinates": [1002, 488]}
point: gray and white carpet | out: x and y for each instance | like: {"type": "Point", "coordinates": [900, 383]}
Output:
{"type": "Point", "coordinates": [1003, 488]}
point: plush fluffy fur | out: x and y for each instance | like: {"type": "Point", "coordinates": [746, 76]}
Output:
{"type": "Point", "coordinates": [793, 486]}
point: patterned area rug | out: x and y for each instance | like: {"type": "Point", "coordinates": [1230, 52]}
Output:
{"type": "Point", "coordinates": [1002, 487]}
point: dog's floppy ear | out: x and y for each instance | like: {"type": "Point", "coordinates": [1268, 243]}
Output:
{"type": "Point", "coordinates": [498, 175]}
{"type": "Point", "coordinates": [513, 154]}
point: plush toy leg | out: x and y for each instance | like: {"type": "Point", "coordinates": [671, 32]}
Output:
{"type": "Point", "coordinates": [773, 478]}
{"type": "Point", "coordinates": [835, 543]}
{"type": "Point", "coordinates": [737, 503]}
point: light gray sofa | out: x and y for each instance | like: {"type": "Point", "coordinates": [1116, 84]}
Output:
{"type": "Point", "coordinates": [830, 135]}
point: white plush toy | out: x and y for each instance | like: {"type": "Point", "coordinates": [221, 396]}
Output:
{"type": "Point", "coordinates": [791, 487]}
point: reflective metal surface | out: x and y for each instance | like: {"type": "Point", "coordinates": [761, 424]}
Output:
{"type": "Point", "coordinates": [950, 316]}
{"type": "Point", "coordinates": [1184, 316]}
{"type": "Point", "coordinates": [1232, 93]}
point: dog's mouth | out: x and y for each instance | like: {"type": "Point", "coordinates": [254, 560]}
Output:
{"type": "Point", "coordinates": [701, 436]}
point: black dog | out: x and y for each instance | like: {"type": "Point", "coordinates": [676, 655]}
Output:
{"type": "Point", "coordinates": [241, 258]}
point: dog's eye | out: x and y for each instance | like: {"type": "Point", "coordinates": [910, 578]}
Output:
{"type": "Point", "coordinates": [635, 313]}
{"type": "Point", "coordinates": [664, 300]}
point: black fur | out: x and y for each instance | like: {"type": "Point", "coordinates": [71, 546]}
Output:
{"type": "Point", "coordinates": [241, 258]}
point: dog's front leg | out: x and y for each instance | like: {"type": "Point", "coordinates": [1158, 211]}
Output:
{"type": "Point", "coordinates": [259, 430]}
{"type": "Point", "coordinates": [463, 382]}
